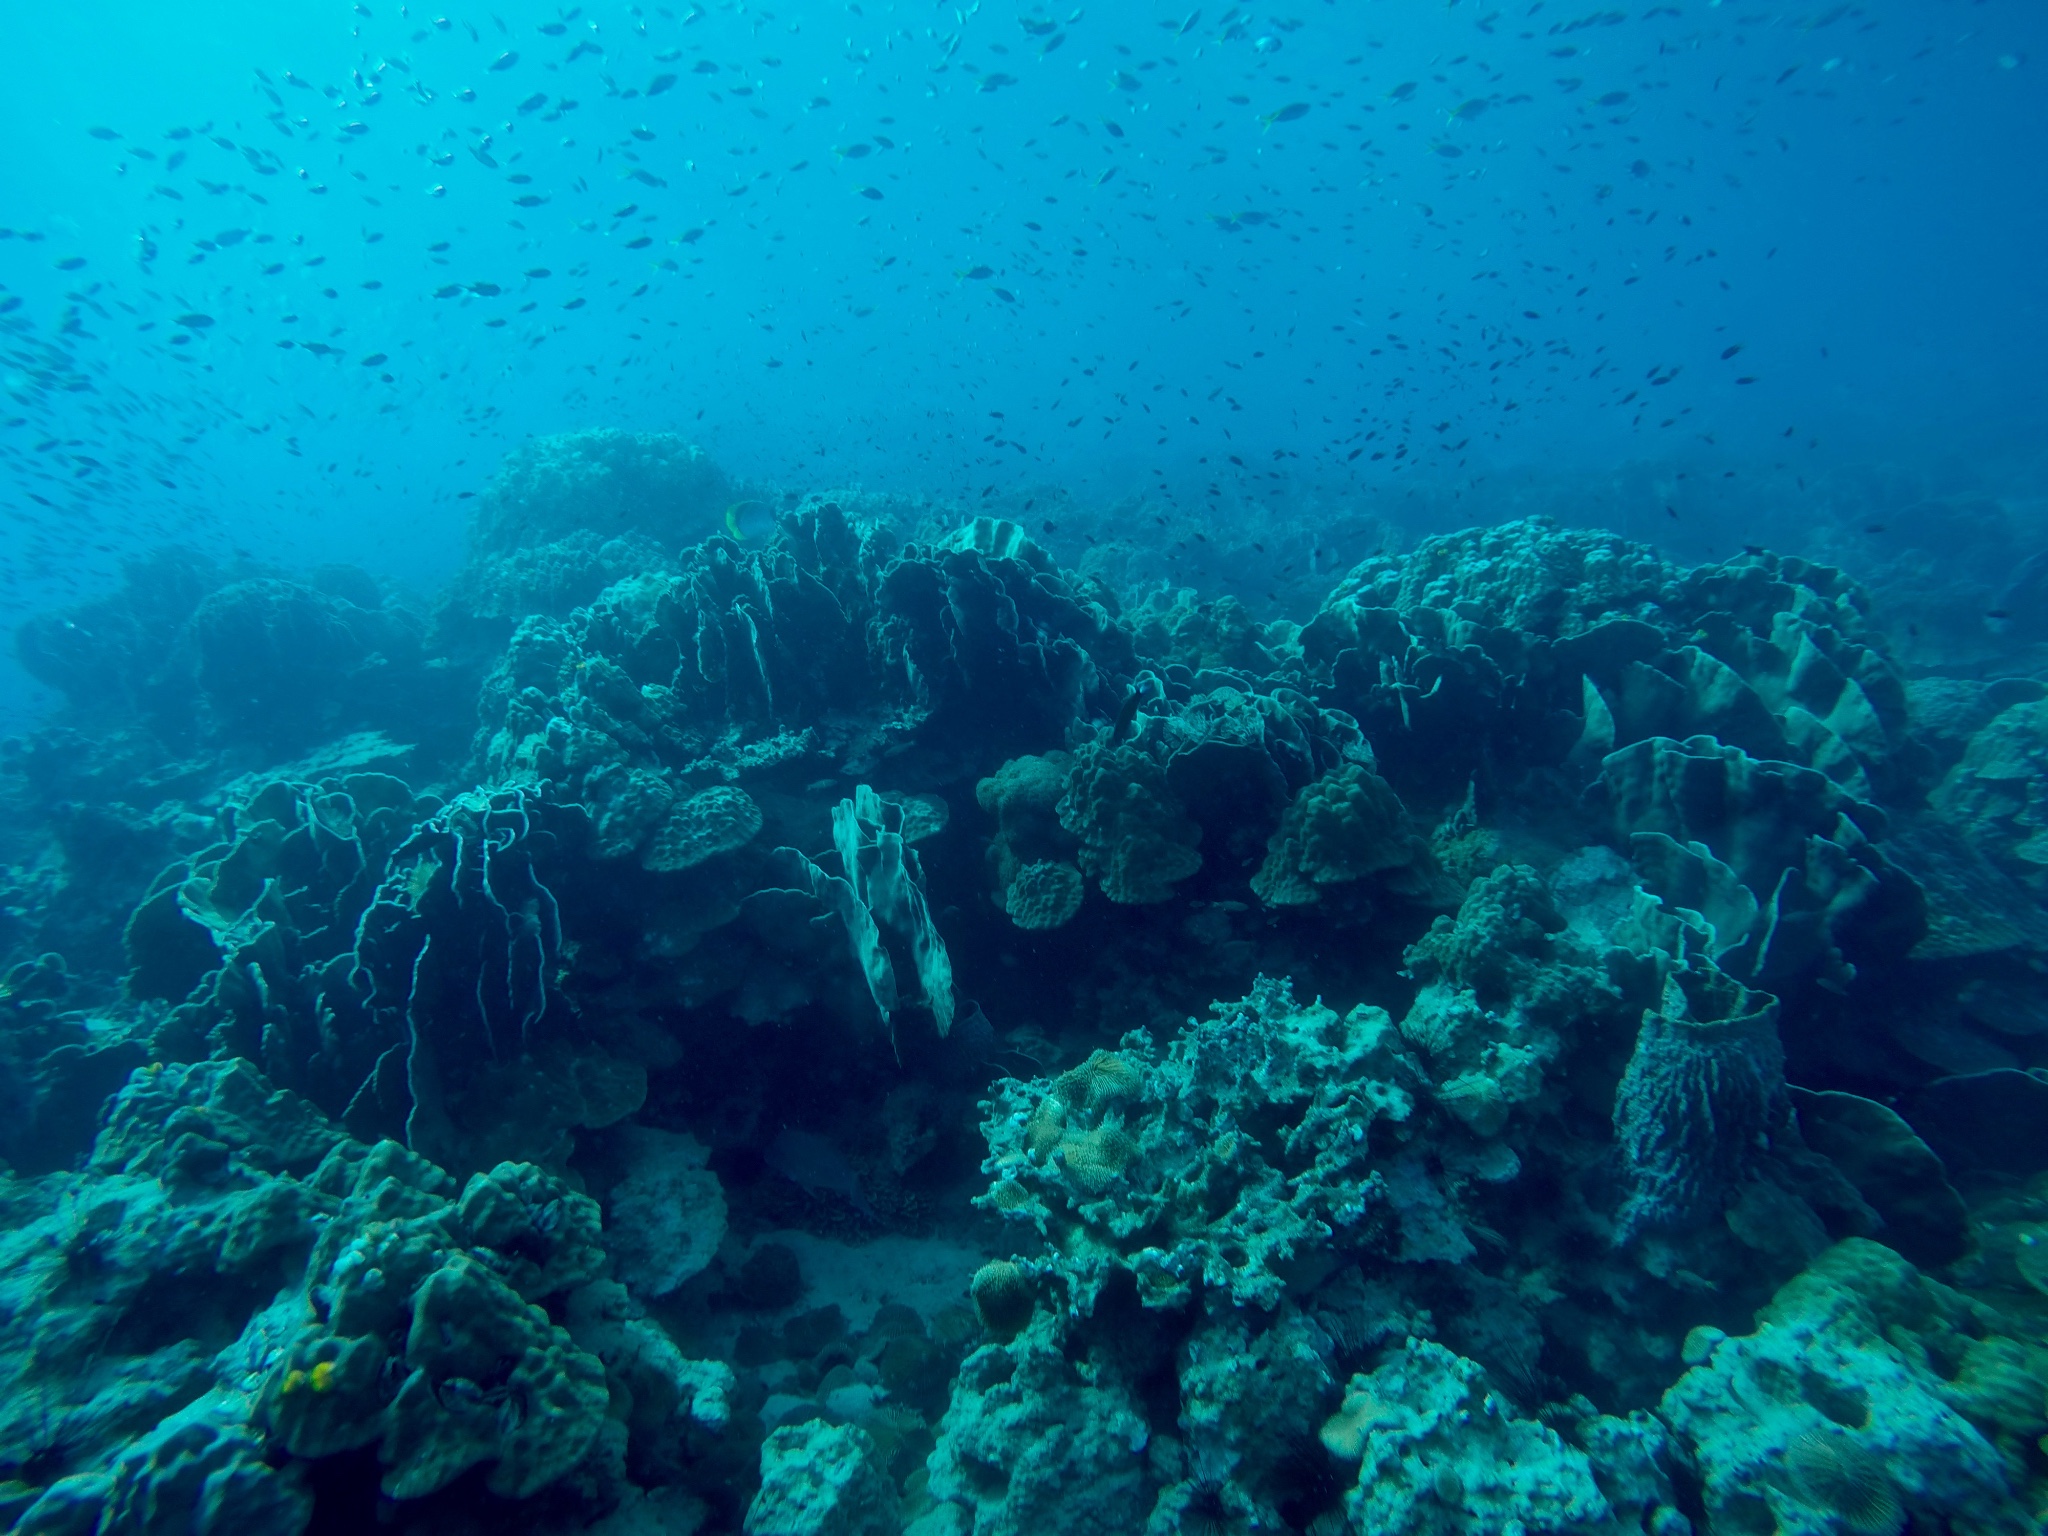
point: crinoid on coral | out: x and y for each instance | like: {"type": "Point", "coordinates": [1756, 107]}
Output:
{"type": "Point", "coordinates": [1103, 1080]}
{"type": "Point", "coordinates": [1096, 1157]}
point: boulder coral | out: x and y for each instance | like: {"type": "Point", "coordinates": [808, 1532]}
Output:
{"type": "Point", "coordinates": [1345, 826]}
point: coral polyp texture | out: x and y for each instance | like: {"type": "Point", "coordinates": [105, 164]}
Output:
{"type": "Point", "coordinates": [852, 1025]}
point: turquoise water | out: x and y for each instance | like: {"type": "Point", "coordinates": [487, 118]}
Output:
{"type": "Point", "coordinates": [898, 768]}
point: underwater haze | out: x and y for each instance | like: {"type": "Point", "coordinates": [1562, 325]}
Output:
{"type": "Point", "coordinates": [877, 769]}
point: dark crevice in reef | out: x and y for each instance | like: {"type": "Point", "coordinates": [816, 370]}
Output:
{"type": "Point", "coordinates": [865, 1028]}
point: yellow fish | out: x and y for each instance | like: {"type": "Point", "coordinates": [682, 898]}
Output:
{"type": "Point", "coordinates": [732, 518]}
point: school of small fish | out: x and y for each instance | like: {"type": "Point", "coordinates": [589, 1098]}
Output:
{"type": "Point", "coordinates": [1196, 255]}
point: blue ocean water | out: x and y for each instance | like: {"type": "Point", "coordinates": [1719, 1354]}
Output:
{"type": "Point", "coordinates": [980, 767]}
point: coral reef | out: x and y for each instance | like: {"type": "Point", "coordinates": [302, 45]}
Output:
{"type": "Point", "coordinates": [760, 1069]}
{"type": "Point", "coordinates": [234, 1291]}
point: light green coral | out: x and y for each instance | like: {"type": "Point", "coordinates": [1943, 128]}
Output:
{"type": "Point", "coordinates": [1503, 985]}
{"type": "Point", "coordinates": [820, 1479]}
{"type": "Point", "coordinates": [1032, 1444]}
{"type": "Point", "coordinates": [1180, 627]}
{"type": "Point", "coordinates": [1441, 1452]}
{"type": "Point", "coordinates": [568, 514]}
{"type": "Point", "coordinates": [1030, 858]}
{"type": "Point", "coordinates": [1997, 796]}
{"type": "Point", "coordinates": [1252, 1395]}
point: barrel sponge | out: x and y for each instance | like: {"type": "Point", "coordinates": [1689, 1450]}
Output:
{"type": "Point", "coordinates": [1703, 1091]}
